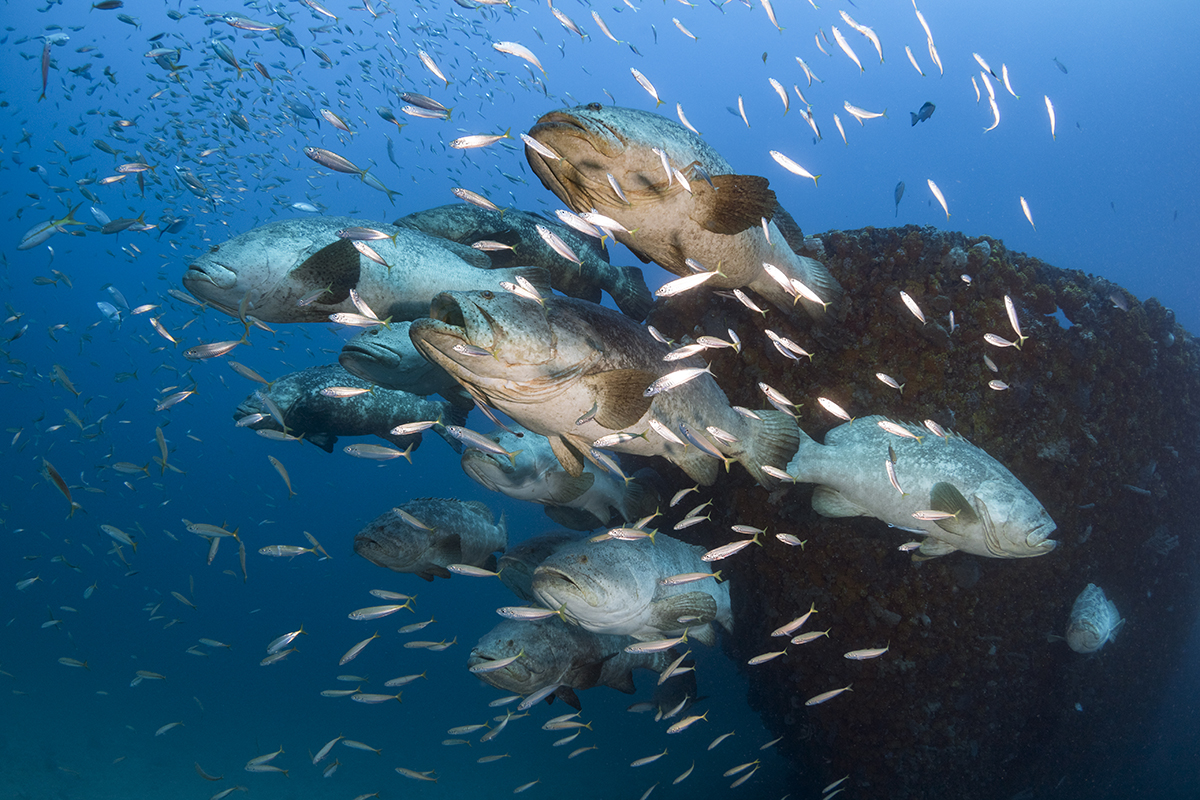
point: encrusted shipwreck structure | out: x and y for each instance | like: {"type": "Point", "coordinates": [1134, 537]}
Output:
{"type": "Point", "coordinates": [1101, 420]}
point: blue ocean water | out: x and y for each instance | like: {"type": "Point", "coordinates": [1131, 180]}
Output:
{"type": "Point", "coordinates": [1111, 194]}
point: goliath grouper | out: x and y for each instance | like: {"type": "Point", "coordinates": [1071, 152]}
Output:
{"type": "Point", "coordinates": [615, 587]}
{"type": "Point", "coordinates": [943, 487]}
{"type": "Point", "coordinates": [469, 224]}
{"type": "Point", "coordinates": [576, 372]}
{"type": "Point", "coordinates": [608, 164]}
{"type": "Point", "coordinates": [272, 269]}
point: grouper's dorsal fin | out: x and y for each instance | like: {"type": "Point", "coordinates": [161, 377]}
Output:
{"type": "Point", "coordinates": [337, 265]}
{"type": "Point", "coordinates": [620, 396]}
{"type": "Point", "coordinates": [945, 497]}
{"type": "Point", "coordinates": [740, 202]}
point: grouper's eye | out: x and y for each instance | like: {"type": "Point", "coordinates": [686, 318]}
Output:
{"type": "Point", "coordinates": [486, 295]}
{"type": "Point", "coordinates": [593, 106]}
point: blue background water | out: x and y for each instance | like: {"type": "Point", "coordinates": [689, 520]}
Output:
{"type": "Point", "coordinates": [1113, 195]}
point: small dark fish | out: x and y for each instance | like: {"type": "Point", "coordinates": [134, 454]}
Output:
{"type": "Point", "coordinates": [925, 113]}
{"type": "Point", "coordinates": [899, 194]}
{"type": "Point", "coordinates": [1059, 64]}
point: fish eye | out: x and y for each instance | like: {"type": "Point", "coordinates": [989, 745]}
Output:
{"type": "Point", "coordinates": [486, 295]}
{"type": "Point", "coordinates": [593, 107]}
{"type": "Point", "coordinates": [214, 248]}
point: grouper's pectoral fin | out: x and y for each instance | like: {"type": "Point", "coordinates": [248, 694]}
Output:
{"type": "Point", "coordinates": [945, 497]}
{"type": "Point", "coordinates": [446, 551]}
{"type": "Point", "coordinates": [699, 467]}
{"type": "Point", "coordinates": [666, 613]}
{"type": "Point", "coordinates": [337, 266]}
{"type": "Point", "coordinates": [932, 548]}
{"type": "Point", "coordinates": [564, 488]}
{"type": "Point", "coordinates": [829, 502]}
{"type": "Point", "coordinates": [567, 695]}
{"type": "Point", "coordinates": [620, 396]}
{"type": "Point", "coordinates": [567, 455]}
{"type": "Point", "coordinates": [738, 202]}
{"type": "Point", "coordinates": [574, 518]}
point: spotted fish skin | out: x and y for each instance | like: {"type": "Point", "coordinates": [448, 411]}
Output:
{"type": "Point", "coordinates": [323, 419]}
{"type": "Point", "coordinates": [459, 532]}
{"type": "Point", "coordinates": [717, 222]}
{"type": "Point", "coordinates": [274, 266]}
{"type": "Point", "coordinates": [1094, 621]}
{"type": "Point", "coordinates": [575, 372]}
{"type": "Point", "coordinates": [466, 224]}
{"type": "Point", "coordinates": [554, 652]}
{"type": "Point", "coordinates": [997, 517]}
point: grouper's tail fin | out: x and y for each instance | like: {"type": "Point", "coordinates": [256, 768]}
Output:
{"type": "Point", "coordinates": [817, 277]}
{"type": "Point", "coordinates": [774, 440]}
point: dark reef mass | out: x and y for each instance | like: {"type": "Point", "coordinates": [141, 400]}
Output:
{"type": "Point", "coordinates": [1101, 421]}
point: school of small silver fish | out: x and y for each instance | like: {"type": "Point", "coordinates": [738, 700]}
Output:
{"type": "Point", "coordinates": [226, 109]}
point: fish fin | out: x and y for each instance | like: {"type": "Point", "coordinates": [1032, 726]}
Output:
{"type": "Point", "coordinates": [645, 259]}
{"type": "Point", "coordinates": [619, 396]}
{"type": "Point", "coordinates": [829, 502]}
{"type": "Point", "coordinates": [776, 439]}
{"type": "Point", "coordinates": [460, 398]}
{"type": "Point", "coordinates": [574, 518]}
{"type": "Point", "coordinates": [448, 549]}
{"type": "Point", "coordinates": [932, 548]}
{"type": "Point", "coordinates": [481, 507]}
{"type": "Point", "coordinates": [665, 613]}
{"type": "Point", "coordinates": [738, 203]}
{"type": "Point", "coordinates": [427, 575]}
{"type": "Point", "coordinates": [567, 695]}
{"type": "Point", "coordinates": [325, 441]}
{"type": "Point", "coordinates": [490, 563]}
{"type": "Point", "coordinates": [698, 466]}
{"type": "Point", "coordinates": [337, 265]}
{"type": "Point", "coordinates": [945, 497]}
{"type": "Point", "coordinates": [623, 682]}
{"type": "Point", "coordinates": [630, 292]}
{"type": "Point", "coordinates": [539, 277]}
{"type": "Point", "coordinates": [641, 496]}
{"type": "Point", "coordinates": [564, 488]}
{"type": "Point", "coordinates": [788, 228]}
{"type": "Point", "coordinates": [704, 635]}
{"type": "Point", "coordinates": [914, 117]}
{"type": "Point", "coordinates": [817, 277]}
{"type": "Point", "coordinates": [476, 258]}
{"type": "Point", "coordinates": [567, 455]}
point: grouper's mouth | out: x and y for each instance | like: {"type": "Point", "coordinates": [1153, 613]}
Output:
{"type": "Point", "coordinates": [1040, 536]}
{"type": "Point", "coordinates": [210, 271]}
{"type": "Point", "coordinates": [560, 581]}
{"type": "Point", "coordinates": [602, 137]}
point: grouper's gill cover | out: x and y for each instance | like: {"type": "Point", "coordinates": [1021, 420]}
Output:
{"type": "Point", "coordinates": [574, 372]}
{"type": "Point", "coordinates": [718, 223]}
